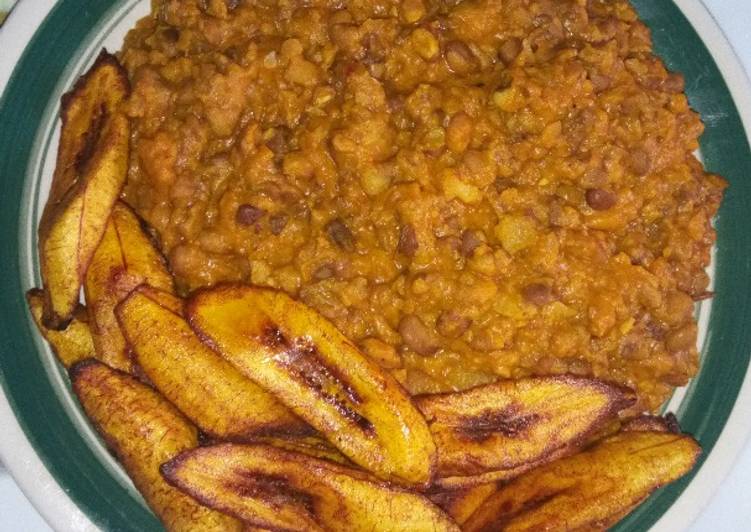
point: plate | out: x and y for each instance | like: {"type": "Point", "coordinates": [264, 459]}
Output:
{"type": "Point", "coordinates": [62, 465]}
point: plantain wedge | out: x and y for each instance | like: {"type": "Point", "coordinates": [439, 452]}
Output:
{"type": "Point", "coordinates": [591, 490]}
{"type": "Point", "coordinates": [206, 388]}
{"type": "Point", "coordinates": [311, 367]}
{"type": "Point", "coordinates": [506, 426]}
{"type": "Point", "coordinates": [649, 423]}
{"type": "Point", "coordinates": [144, 431]}
{"type": "Point", "coordinates": [460, 504]}
{"type": "Point", "coordinates": [92, 162]}
{"type": "Point", "coordinates": [309, 445]}
{"type": "Point", "coordinates": [276, 489]}
{"type": "Point", "coordinates": [71, 345]}
{"type": "Point", "coordinates": [167, 300]}
{"type": "Point", "coordinates": [125, 258]}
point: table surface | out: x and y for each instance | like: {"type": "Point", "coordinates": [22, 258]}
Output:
{"type": "Point", "coordinates": [730, 509]}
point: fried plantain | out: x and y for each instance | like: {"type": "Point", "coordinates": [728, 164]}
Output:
{"type": "Point", "coordinates": [311, 445]}
{"type": "Point", "coordinates": [649, 423]}
{"type": "Point", "coordinates": [590, 490]}
{"type": "Point", "coordinates": [144, 431]}
{"type": "Point", "coordinates": [206, 388]}
{"type": "Point", "coordinates": [70, 345]}
{"type": "Point", "coordinates": [125, 258]}
{"type": "Point", "coordinates": [167, 300]}
{"type": "Point", "coordinates": [309, 365]}
{"type": "Point", "coordinates": [507, 425]}
{"type": "Point", "coordinates": [277, 489]}
{"type": "Point", "coordinates": [461, 503]}
{"type": "Point", "coordinates": [92, 163]}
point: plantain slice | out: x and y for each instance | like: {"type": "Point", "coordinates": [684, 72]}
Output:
{"type": "Point", "coordinates": [310, 445]}
{"type": "Point", "coordinates": [272, 488]}
{"type": "Point", "coordinates": [508, 425]}
{"type": "Point", "coordinates": [310, 366]}
{"type": "Point", "coordinates": [206, 388]}
{"type": "Point", "coordinates": [144, 431]}
{"type": "Point", "coordinates": [167, 300]}
{"type": "Point", "coordinates": [125, 258]}
{"type": "Point", "coordinates": [461, 503]}
{"type": "Point", "coordinates": [70, 345]}
{"type": "Point", "coordinates": [92, 162]}
{"type": "Point", "coordinates": [649, 423]}
{"type": "Point", "coordinates": [459, 482]}
{"type": "Point", "coordinates": [590, 490]}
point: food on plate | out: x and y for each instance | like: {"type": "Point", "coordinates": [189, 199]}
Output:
{"type": "Point", "coordinates": [219, 399]}
{"type": "Point", "coordinates": [71, 345]}
{"type": "Point", "coordinates": [491, 189]}
{"type": "Point", "coordinates": [509, 424]}
{"type": "Point", "coordinates": [302, 359]}
{"type": "Point", "coordinates": [144, 431]}
{"type": "Point", "coordinates": [125, 258]}
{"type": "Point", "coordinates": [271, 488]}
{"type": "Point", "coordinates": [413, 252]}
{"type": "Point", "coordinates": [461, 503]}
{"type": "Point", "coordinates": [92, 163]}
{"type": "Point", "coordinates": [591, 490]}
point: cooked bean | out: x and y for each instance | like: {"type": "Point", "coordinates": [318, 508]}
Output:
{"type": "Point", "coordinates": [538, 294]}
{"type": "Point", "coordinates": [248, 214]}
{"type": "Point", "coordinates": [600, 82]}
{"type": "Point", "coordinates": [600, 199]}
{"type": "Point", "coordinates": [277, 223]}
{"type": "Point", "coordinates": [373, 49]}
{"type": "Point", "coordinates": [639, 162]}
{"type": "Point", "coordinates": [674, 83]}
{"type": "Point", "coordinates": [412, 10]}
{"type": "Point", "coordinates": [340, 234]}
{"type": "Point", "coordinates": [324, 271]}
{"type": "Point", "coordinates": [425, 43]}
{"type": "Point", "coordinates": [459, 57]}
{"type": "Point", "coordinates": [171, 34]}
{"type": "Point", "coordinates": [459, 132]}
{"type": "Point", "coordinates": [451, 324]}
{"type": "Point", "coordinates": [408, 243]}
{"type": "Point", "coordinates": [679, 307]}
{"type": "Point", "coordinates": [279, 142]}
{"type": "Point", "coordinates": [509, 50]}
{"type": "Point", "coordinates": [417, 336]}
{"type": "Point", "coordinates": [681, 339]}
{"type": "Point", "coordinates": [470, 242]}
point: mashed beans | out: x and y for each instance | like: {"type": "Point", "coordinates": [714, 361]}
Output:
{"type": "Point", "coordinates": [468, 190]}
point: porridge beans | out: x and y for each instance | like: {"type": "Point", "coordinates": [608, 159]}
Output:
{"type": "Point", "coordinates": [472, 190]}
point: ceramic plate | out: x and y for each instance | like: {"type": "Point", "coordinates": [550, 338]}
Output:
{"type": "Point", "coordinates": [62, 465]}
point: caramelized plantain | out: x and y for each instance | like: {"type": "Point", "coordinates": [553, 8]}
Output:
{"type": "Point", "coordinates": [590, 490]}
{"type": "Point", "coordinates": [144, 431]}
{"type": "Point", "coordinates": [505, 426]}
{"type": "Point", "coordinates": [206, 388]}
{"type": "Point", "coordinates": [72, 344]}
{"type": "Point", "coordinates": [269, 487]}
{"type": "Point", "coordinates": [649, 423]}
{"type": "Point", "coordinates": [310, 366]}
{"type": "Point", "coordinates": [309, 445]}
{"type": "Point", "coordinates": [167, 300]}
{"type": "Point", "coordinates": [460, 504]}
{"type": "Point", "coordinates": [92, 162]}
{"type": "Point", "coordinates": [125, 258]}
